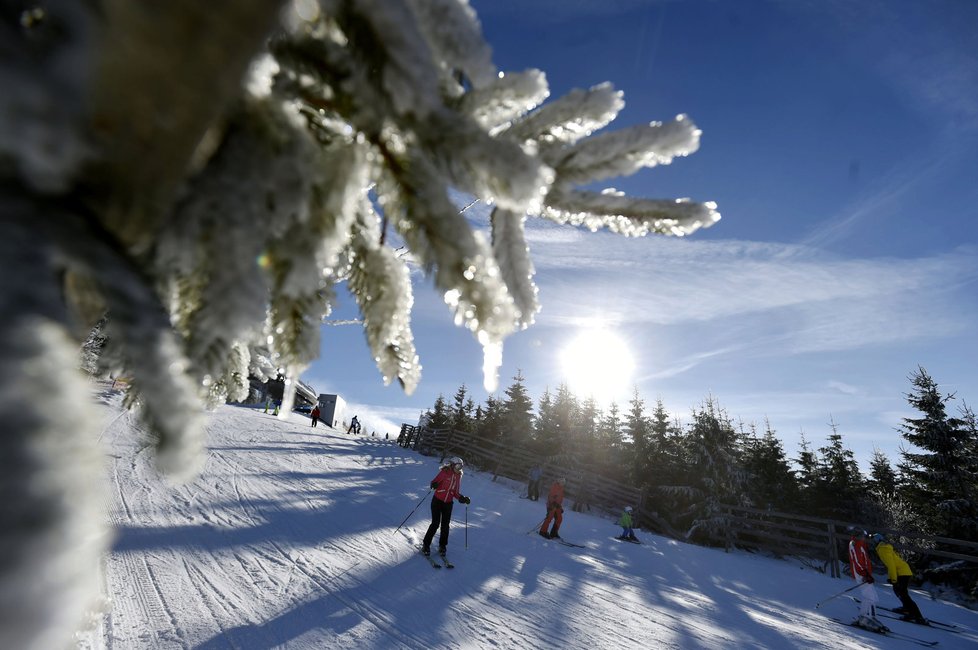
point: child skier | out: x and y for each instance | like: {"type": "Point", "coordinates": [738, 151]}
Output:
{"type": "Point", "coordinates": [862, 573]}
{"type": "Point", "coordinates": [625, 522]}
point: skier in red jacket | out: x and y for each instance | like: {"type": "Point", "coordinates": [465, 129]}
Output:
{"type": "Point", "coordinates": [446, 486]}
{"type": "Point", "coordinates": [862, 573]}
{"type": "Point", "coordinates": [555, 510]}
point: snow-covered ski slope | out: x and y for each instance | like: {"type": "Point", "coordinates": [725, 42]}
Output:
{"type": "Point", "coordinates": [286, 540]}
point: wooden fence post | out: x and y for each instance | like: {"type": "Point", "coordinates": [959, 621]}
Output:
{"type": "Point", "coordinates": [833, 552]}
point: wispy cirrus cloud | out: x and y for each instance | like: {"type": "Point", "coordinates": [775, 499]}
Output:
{"type": "Point", "coordinates": [762, 295]}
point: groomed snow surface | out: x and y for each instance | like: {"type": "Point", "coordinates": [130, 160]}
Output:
{"type": "Point", "coordinates": [287, 540]}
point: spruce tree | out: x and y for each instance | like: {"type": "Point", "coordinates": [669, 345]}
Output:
{"type": "Point", "coordinates": [808, 474]}
{"type": "Point", "coordinates": [610, 429]}
{"type": "Point", "coordinates": [882, 477]}
{"type": "Point", "coordinates": [462, 410]}
{"type": "Point", "coordinates": [772, 483]}
{"type": "Point", "coordinates": [637, 432]}
{"type": "Point", "coordinates": [716, 472]}
{"type": "Point", "coordinates": [664, 450]}
{"type": "Point", "coordinates": [492, 421]}
{"type": "Point", "coordinates": [941, 478]}
{"type": "Point", "coordinates": [841, 484]}
{"type": "Point", "coordinates": [586, 425]}
{"type": "Point", "coordinates": [440, 416]}
{"type": "Point", "coordinates": [564, 435]}
{"type": "Point", "coordinates": [517, 412]}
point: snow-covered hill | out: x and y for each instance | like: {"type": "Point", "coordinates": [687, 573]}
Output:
{"type": "Point", "coordinates": [287, 540]}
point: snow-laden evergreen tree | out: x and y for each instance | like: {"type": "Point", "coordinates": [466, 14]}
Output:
{"type": "Point", "coordinates": [491, 427]}
{"type": "Point", "coordinates": [587, 425]}
{"type": "Point", "coordinates": [715, 473]}
{"type": "Point", "coordinates": [610, 432]}
{"type": "Point", "coordinates": [440, 415]}
{"type": "Point", "coordinates": [807, 474]}
{"type": "Point", "coordinates": [771, 482]}
{"type": "Point", "coordinates": [941, 480]}
{"type": "Point", "coordinates": [841, 486]}
{"type": "Point", "coordinates": [204, 176]}
{"type": "Point", "coordinates": [517, 413]}
{"type": "Point", "coordinates": [883, 478]}
{"type": "Point", "coordinates": [636, 430]}
{"type": "Point", "coordinates": [462, 408]}
{"type": "Point", "coordinates": [564, 433]}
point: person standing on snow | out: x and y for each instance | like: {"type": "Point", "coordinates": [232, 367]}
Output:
{"type": "Point", "coordinates": [314, 414]}
{"type": "Point", "coordinates": [862, 573]}
{"type": "Point", "coordinates": [446, 486]}
{"type": "Point", "coordinates": [354, 425]}
{"type": "Point", "coordinates": [626, 525]}
{"type": "Point", "coordinates": [899, 574]}
{"type": "Point", "coordinates": [533, 487]}
{"type": "Point", "coordinates": [555, 510]}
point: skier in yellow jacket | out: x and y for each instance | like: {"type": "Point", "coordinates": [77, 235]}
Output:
{"type": "Point", "coordinates": [899, 574]}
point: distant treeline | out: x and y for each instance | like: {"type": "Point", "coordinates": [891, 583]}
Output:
{"type": "Point", "coordinates": [693, 467]}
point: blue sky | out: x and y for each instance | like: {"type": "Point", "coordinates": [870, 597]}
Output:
{"type": "Point", "coordinates": [840, 142]}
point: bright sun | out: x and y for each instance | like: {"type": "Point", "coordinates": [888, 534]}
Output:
{"type": "Point", "coordinates": [598, 364]}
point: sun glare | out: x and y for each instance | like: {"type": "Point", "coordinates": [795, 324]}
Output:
{"type": "Point", "coordinates": [599, 364]}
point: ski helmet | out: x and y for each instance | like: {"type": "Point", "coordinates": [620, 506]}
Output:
{"type": "Point", "coordinates": [561, 480]}
{"type": "Point", "coordinates": [877, 538]}
{"type": "Point", "coordinates": [628, 508]}
{"type": "Point", "coordinates": [455, 460]}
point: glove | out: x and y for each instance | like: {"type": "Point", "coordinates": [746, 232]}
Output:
{"type": "Point", "coordinates": [434, 485]}
{"type": "Point", "coordinates": [869, 579]}
{"type": "Point", "coordinates": [465, 500]}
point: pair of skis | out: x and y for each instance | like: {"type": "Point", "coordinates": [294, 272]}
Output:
{"type": "Point", "coordinates": [894, 614]}
{"type": "Point", "coordinates": [890, 633]}
{"type": "Point", "coordinates": [561, 540]}
{"type": "Point", "coordinates": [442, 560]}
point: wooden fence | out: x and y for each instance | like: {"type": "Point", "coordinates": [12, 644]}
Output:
{"type": "Point", "coordinates": [823, 541]}
{"type": "Point", "coordinates": [827, 539]}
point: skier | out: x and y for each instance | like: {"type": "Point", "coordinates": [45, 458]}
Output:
{"type": "Point", "coordinates": [446, 486]}
{"type": "Point", "coordinates": [314, 414]}
{"type": "Point", "coordinates": [354, 425]}
{"type": "Point", "coordinates": [555, 510]}
{"type": "Point", "coordinates": [862, 573]}
{"type": "Point", "coordinates": [899, 575]}
{"type": "Point", "coordinates": [533, 487]}
{"type": "Point", "coordinates": [626, 525]}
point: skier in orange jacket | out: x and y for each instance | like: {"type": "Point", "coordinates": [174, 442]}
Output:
{"type": "Point", "coordinates": [555, 510]}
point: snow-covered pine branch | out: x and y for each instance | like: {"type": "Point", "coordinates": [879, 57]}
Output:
{"type": "Point", "coordinates": [509, 247]}
{"type": "Point", "coordinates": [566, 120]}
{"type": "Point", "coordinates": [208, 198]}
{"type": "Point", "coordinates": [629, 216]}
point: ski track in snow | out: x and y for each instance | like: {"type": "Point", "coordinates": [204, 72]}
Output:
{"type": "Point", "coordinates": [286, 540]}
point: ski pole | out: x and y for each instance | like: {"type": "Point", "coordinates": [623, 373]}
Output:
{"type": "Point", "coordinates": [466, 525]}
{"type": "Point", "coordinates": [537, 527]}
{"type": "Point", "coordinates": [844, 591]}
{"type": "Point", "coordinates": [415, 509]}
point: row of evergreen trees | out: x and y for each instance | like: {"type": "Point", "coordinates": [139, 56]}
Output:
{"type": "Point", "coordinates": [693, 467]}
